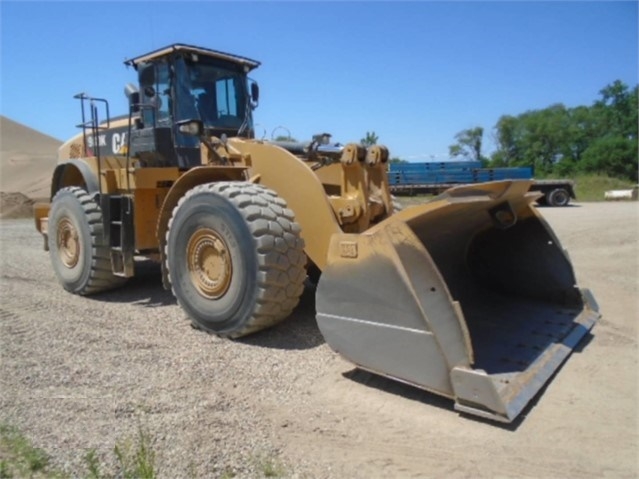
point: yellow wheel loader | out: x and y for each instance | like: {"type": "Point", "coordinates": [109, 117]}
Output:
{"type": "Point", "coordinates": [469, 295]}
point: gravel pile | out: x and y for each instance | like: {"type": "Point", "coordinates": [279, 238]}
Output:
{"type": "Point", "coordinates": [15, 205]}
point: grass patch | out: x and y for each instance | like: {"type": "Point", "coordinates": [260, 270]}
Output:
{"type": "Point", "coordinates": [269, 466]}
{"type": "Point", "coordinates": [593, 187]}
{"type": "Point", "coordinates": [135, 458]}
{"type": "Point", "coordinates": [19, 458]}
{"type": "Point", "coordinates": [227, 474]}
{"type": "Point", "coordinates": [93, 464]}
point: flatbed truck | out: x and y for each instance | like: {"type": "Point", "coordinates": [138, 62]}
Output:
{"type": "Point", "coordinates": [436, 177]}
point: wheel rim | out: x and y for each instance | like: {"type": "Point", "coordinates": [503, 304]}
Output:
{"type": "Point", "coordinates": [68, 243]}
{"type": "Point", "coordinates": [209, 263]}
{"type": "Point", "coordinates": [561, 198]}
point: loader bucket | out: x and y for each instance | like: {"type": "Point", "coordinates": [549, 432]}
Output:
{"type": "Point", "coordinates": [470, 296]}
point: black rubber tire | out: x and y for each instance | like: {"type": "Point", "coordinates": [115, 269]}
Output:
{"type": "Point", "coordinates": [313, 273]}
{"type": "Point", "coordinates": [260, 241]}
{"type": "Point", "coordinates": [85, 267]}
{"type": "Point", "coordinates": [542, 201]}
{"type": "Point", "coordinates": [558, 197]}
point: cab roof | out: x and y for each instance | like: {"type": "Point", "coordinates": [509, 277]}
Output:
{"type": "Point", "coordinates": [180, 47]}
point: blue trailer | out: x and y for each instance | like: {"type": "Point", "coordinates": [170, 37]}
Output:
{"type": "Point", "coordinates": [436, 177]}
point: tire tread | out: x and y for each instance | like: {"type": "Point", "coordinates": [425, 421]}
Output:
{"type": "Point", "coordinates": [278, 246]}
{"type": "Point", "coordinates": [101, 277]}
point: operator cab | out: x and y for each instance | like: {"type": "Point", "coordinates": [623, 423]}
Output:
{"type": "Point", "coordinates": [182, 84]}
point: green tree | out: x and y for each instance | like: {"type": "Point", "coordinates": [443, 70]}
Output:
{"type": "Point", "coordinates": [545, 145]}
{"type": "Point", "coordinates": [581, 128]}
{"type": "Point", "coordinates": [469, 144]}
{"type": "Point", "coordinates": [614, 156]}
{"type": "Point", "coordinates": [561, 141]}
{"type": "Point", "coordinates": [617, 110]}
{"type": "Point", "coordinates": [284, 138]}
{"type": "Point", "coordinates": [508, 138]}
{"type": "Point", "coordinates": [370, 139]}
{"type": "Point", "coordinates": [396, 159]}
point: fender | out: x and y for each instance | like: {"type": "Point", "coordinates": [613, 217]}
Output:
{"type": "Point", "coordinates": [74, 173]}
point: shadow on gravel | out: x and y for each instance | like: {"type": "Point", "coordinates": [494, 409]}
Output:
{"type": "Point", "coordinates": [298, 331]}
{"type": "Point", "coordinates": [428, 399]}
{"type": "Point", "coordinates": [144, 289]}
{"type": "Point", "coordinates": [391, 386]}
{"type": "Point", "coordinates": [583, 343]}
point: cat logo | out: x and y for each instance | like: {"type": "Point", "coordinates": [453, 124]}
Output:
{"type": "Point", "coordinates": [118, 143]}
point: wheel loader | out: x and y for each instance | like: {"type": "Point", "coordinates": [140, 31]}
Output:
{"type": "Point", "coordinates": [469, 295]}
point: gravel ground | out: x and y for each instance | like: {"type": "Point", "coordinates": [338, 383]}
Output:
{"type": "Point", "coordinates": [87, 373]}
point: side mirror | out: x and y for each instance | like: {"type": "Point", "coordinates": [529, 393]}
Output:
{"type": "Point", "coordinates": [190, 127]}
{"type": "Point", "coordinates": [255, 92]}
{"type": "Point", "coordinates": [133, 95]}
{"type": "Point", "coordinates": [134, 102]}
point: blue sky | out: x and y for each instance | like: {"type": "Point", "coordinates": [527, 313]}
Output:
{"type": "Point", "coordinates": [416, 73]}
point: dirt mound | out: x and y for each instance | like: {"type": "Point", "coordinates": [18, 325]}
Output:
{"type": "Point", "coordinates": [27, 159]}
{"type": "Point", "coordinates": [15, 205]}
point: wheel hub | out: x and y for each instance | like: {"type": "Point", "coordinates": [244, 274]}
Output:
{"type": "Point", "coordinates": [68, 243]}
{"type": "Point", "coordinates": [560, 197]}
{"type": "Point", "coordinates": [209, 263]}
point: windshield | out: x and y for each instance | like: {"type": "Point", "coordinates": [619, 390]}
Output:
{"type": "Point", "coordinates": [214, 92]}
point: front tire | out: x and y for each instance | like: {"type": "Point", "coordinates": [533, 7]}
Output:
{"type": "Point", "coordinates": [235, 258]}
{"type": "Point", "coordinates": [79, 254]}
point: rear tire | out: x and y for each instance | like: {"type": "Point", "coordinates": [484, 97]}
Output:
{"type": "Point", "coordinates": [235, 258]}
{"type": "Point", "coordinates": [558, 197]}
{"type": "Point", "coordinates": [78, 251]}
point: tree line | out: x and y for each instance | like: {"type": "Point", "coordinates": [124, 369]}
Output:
{"type": "Point", "coordinates": [560, 141]}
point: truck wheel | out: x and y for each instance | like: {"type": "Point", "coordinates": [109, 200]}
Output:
{"type": "Point", "coordinates": [235, 257]}
{"type": "Point", "coordinates": [558, 197]}
{"type": "Point", "coordinates": [79, 254]}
